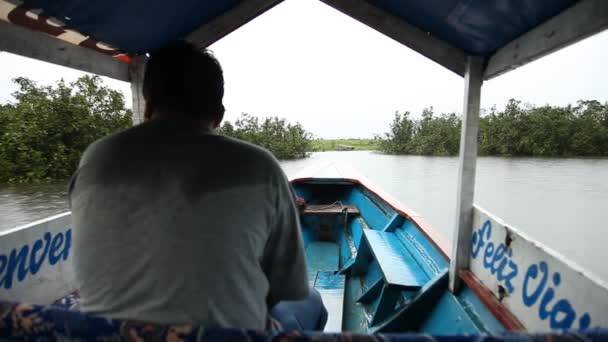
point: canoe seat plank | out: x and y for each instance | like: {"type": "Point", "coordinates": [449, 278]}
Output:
{"type": "Point", "coordinates": [330, 209]}
{"type": "Point", "coordinates": [331, 288]}
{"type": "Point", "coordinates": [399, 270]}
{"type": "Point", "coordinates": [398, 266]}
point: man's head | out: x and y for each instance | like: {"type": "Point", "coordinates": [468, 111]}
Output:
{"type": "Point", "coordinates": [182, 80]}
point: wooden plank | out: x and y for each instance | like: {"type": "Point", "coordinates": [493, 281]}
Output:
{"type": "Point", "coordinates": [37, 265]}
{"type": "Point", "coordinates": [580, 21]}
{"type": "Point", "coordinates": [466, 170]}
{"type": "Point", "coordinates": [396, 28]}
{"type": "Point", "coordinates": [397, 264]}
{"type": "Point", "coordinates": [410, 317]}
{"type": "Point", "coordinates": [543, 290]}
{"type": "Point", "coordinates": [224, 24]}
{"type": "Point", "coordinates": [41, 46]}
{"type": "Point", "coordinates": [136, 74]}
{"type": "Point", "coordinates": [331, 289]}
{"type": "Point", "coordinates": [330, 209]}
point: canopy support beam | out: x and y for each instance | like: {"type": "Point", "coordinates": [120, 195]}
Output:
{"type": "Point", "coordinates": [224, 24]}
{"type": "Point", "coordinates": [580, 21]}
{"type": "Point", "coordinates": [461, 248]}
{"type": "Point", "coordinates": [28, 43]}
{"type": "Point", "coordinates": [394, 27]}
{"type": "Point", "coordinates": [136, 74]}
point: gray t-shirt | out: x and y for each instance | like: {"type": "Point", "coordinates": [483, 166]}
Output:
{"type": "Point", "coordinates": [178, 225]}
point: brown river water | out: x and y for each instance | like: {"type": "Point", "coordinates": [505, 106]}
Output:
{"type": "Point", "coordinates": [562, 203]}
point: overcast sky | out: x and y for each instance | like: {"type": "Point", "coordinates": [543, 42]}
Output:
{"type": "Point", "coordinates": [306, 62]}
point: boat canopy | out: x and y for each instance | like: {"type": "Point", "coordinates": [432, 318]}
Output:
{"type": "Point", "coordinates": [506, 34]}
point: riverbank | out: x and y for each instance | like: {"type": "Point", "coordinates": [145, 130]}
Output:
{"type": "Point", "coordinates": [322, 145]}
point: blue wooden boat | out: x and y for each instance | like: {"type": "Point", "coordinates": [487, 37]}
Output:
{"type": "Point", "coordinates": [379, 266]}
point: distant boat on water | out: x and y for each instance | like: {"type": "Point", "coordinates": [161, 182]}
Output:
{"type": "Point", "coordinates": [344, 148]}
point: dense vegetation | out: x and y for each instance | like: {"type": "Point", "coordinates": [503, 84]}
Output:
{"type": "Point", "coordinates": [284, 140]}
{"type": "Point", "coordinates": [518, 130]}
{"type": "Point", "coordinates": [44, 131]}
{"type": "Point", "coordinates": [320, 145]}
{"type": "Point", "coordinates": [430, 135]}
{"type": "Point", "coordinates": [46, 128]}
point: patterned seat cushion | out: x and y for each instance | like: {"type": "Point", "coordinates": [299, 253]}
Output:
{"type": "Point", "coordinates": [51, 323]}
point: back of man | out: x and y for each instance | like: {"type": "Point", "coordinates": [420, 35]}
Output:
{"type": "Point", "coordinates": [176, 224]}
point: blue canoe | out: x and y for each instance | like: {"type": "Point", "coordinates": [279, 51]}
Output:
{"type": "Point", "coordinates": [378, 265]}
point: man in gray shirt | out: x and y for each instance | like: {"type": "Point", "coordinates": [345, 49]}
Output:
{"type": "Point", "coordinates": [178, 225]}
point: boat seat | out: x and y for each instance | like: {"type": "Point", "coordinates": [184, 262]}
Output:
{"type": "Point", "coordinates": [330, 209]}
{"type": "Point", "coordinates": [387, 268]}
{"type": "Point", "coordinates": [331, 288]}
{"type": "Point", "coordinates": [398, 266]}
{"type": "Point", "coordinates": [411, 316]}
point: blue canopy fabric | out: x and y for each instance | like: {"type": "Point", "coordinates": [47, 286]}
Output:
{"type": "Point", "coordinates": [478, 27]}
{"type": "Point", "coordinates": [135, 26]}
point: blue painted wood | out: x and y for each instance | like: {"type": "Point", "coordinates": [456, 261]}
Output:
{"type": "Point", "coordinates": [331, 289]}
{"type": "Point", "coordinates": [303, 191]}
{"type": "Point", "coordinates": [364, 257]}
{"type": "Point", "coordinates": [371, 292]}
{"type": "Point", "coordinates": [307, 234]}
{"type": "Point", "coordinates": [350, 239]}
{"type": "Point", "coordinates": [448, 317]}
{"type": "Point", "coordinates": [357, 231]}
{"type": "Point", "coordinates": [411, 316]}
{"type": "Point", "coordinates": [396, 221]}
{"type": "Point", "coordinates": [478, 312]}
{"type": "Point", "coordinates": [398, 266]}
{"type": "Point", "coordinates": [384, 306]}
{"type": "Point", "coordinates": [347, 267]}
{"type": "Point", "coordinates": [379, 202]}
{"type": "Point", "coordinates": [321, 256]}
{"type": "Point", "coordinates": [355, 315]}
{"type": "Point", "coordinates": [374, 273]}
{"type": "Point", "coordinates": [346, 248]}
{"type": "Point", "coordinates": [424, 251]}
{"type": "Point", "coordinates": [374, 216]}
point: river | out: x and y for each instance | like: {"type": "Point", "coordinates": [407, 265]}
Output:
{"type": "Point", "coordinates": [562, 203]}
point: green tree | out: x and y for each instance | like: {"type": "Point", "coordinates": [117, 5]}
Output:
{"type": "Point", "coordinates": [398, 140]}
{"type": "Point", "coordinates": [518, 130]}
{"type": "Point", "coordinates": [285, 140]}
{"type": "Point", "coordinates": [46, 128]}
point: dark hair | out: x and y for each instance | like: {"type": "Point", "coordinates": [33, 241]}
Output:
{"type": "Point", "coordinates": [185, 80]}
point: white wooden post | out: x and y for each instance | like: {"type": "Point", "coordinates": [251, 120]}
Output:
{"type": "Point", "coordinates": [136, 76]}
{"type": "Point", "coordinates": [461, 248]}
